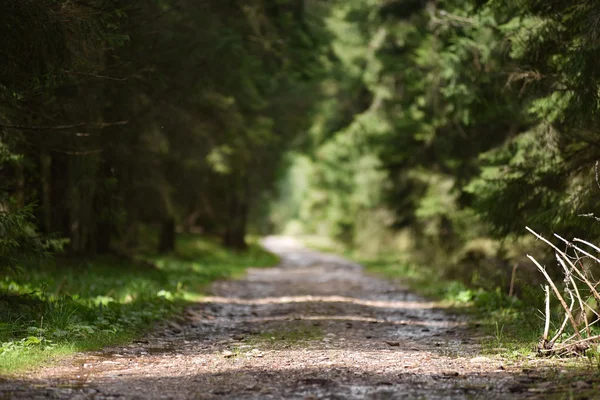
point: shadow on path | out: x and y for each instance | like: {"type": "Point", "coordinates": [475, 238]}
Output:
{"type": "Point", "coordinates": [315, 327]}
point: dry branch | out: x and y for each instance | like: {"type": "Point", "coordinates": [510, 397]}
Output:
{"type": "Point", "coordinates": [580, 287]}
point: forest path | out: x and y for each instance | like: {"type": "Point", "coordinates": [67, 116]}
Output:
{"type": "Point", "coordinates": [315, 327]}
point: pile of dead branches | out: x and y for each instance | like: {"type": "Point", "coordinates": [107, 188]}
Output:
{"type": "Point", "coordinates": [578, 297]}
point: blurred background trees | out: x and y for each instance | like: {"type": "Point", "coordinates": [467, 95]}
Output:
{"type": "Point", "coordinates": [449, 126]}
{"type": "Point", "coordinates": [118, 115]}
{"type": "Point", "coordinates": [434, 128]}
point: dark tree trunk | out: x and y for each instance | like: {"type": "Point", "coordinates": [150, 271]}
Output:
{"type": "Point", "coordinates": [45, 161]}
{"type": "Point", "coordinates": [104, 206]}
{"type": "Point", "coordinates": [166, 242]}
{"type": "Point", "coordinates": [59, 195]}
{"type": "Point", "coordinates": [235, 233]}
{"type": "Point", "coordinates": [190, 222]}
{"type": "Point", "coordinates": [104, 232]}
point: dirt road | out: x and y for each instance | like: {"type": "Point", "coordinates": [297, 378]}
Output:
{"type": "Point", "coordinates": [316, 327]}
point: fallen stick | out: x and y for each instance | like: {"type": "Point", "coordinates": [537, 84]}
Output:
{"type": "Point", "coordinates": [547, 323]}
{"type": "Point", "coordinates": [557, 294]}
{"type": "Point", "coordinates": [566, 258]}
{"type": "Point", "coordinates": [578, 295]}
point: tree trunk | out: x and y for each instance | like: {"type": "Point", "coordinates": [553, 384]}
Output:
{"type": "Point", "coordinates": [58, 204]}
{"type": "Point", "coordinates": [84, 174]}
{"type": "Point", "coordinates": [235, 233]}
{"type": "Point", "coordinates": [46, 189]}
{"type": "Point", "coordinates": [105, 207]}
{"type": "Point", "coordinates": [166, 242]}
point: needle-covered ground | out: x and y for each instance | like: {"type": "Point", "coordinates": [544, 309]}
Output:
{"type": "Point", "coordinates": [315, 327]}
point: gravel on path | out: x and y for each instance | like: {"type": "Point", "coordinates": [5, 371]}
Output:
{"type": "Point", "coordinates": [314, 327]}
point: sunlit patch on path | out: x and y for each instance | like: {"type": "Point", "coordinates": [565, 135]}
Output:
{"type": "Point", "coordinates": [316, 327]}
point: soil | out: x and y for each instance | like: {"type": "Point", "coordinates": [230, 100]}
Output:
{"type": "Point", "coordinates": [315, 327]}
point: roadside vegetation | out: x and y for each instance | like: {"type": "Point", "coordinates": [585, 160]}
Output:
{"type": "Point", "coordinates": [63, 306]}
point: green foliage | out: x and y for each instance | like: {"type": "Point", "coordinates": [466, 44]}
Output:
{"type": "Point", "coordinates": [120, 127]}
{"type": "Point", "coordinates": [453, 124]}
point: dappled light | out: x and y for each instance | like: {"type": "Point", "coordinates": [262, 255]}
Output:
{"type": "Point", "coordinates": [379, 341]}
{"type": "Point", "coordinates": [304, 199]}
{"type": "Point", "coordinates": [322, 299]}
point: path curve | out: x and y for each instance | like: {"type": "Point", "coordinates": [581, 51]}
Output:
{"type": "Point", "coordinates": [315, 327]}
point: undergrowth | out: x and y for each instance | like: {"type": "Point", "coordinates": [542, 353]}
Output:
{"type": "Point", "coordinates": [67, 306]}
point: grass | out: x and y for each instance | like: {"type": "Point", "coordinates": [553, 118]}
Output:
{"type": "Point", "coordinates": [47, 311]}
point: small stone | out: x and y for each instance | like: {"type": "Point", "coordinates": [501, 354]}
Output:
{"type": "Point", "coordinates": [545, 385]}
{"type": "Point", "coordinates": [255, 353]}
{"type": "Point", "coordinates": [581, 385]}
{"type": "Point", "coordinates": [228, 354]}
{"type": "Point", "coordinates": [393, 343]}
{"type": "Point", "coordinates": [175, 328]}
{"type": "Point", "coordinates": [517, 389]}
{"type": "Point", "coordinates": [451, 373]}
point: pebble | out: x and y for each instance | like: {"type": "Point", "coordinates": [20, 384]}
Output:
{"type": "Point", "coordinates": [581, 385]}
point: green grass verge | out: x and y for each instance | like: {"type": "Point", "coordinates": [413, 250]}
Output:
{"type": "Point", "coordinates": [67, 306]}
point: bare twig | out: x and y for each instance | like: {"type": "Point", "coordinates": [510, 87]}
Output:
{"type": "Point", "coordinates": [580, 331]}
{"type": "Point", "coordinates": [596, 170]}
{"type": "Point", "coordinates": [589, 215]}
{"type": "Point", "coordinates": [64, 127]}
{"type": "Point", "coordinates": [577, 248]}
{"type": "Point", "coordinates": [574, 270]}
{"type": "Point", "coordinates": [512, 279]}
{"type": "Point", "coordinates": [566, 258]}
{"type": "Point", "coordinates": [455, 17]}
{"type": "Point", "coordinates": [557, 294]}
{"type": "Point", "coordinates": [588, 243]}
{"type": "Point", "coordinates": [577, 344]}
{"type": "Point", "coordinates": [570, 277]}
{"type": "Point", "coordinates": [565, 320]}
{"type": "Point", "coordinates": [547, 323]}
{"type": "Point", "coordinates": [110, 78]}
